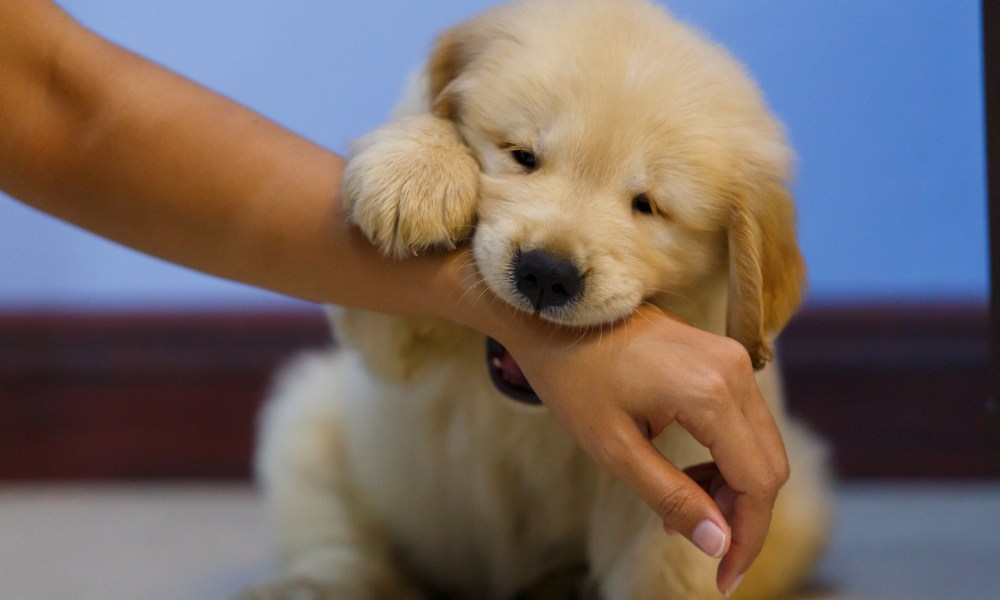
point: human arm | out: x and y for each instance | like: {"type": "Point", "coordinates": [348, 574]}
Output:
{"type": "Point", "coordinates": [106, 140]}
{"type": "Point", "coordinates": [103, 139]}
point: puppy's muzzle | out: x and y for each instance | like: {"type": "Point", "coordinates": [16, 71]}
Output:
{"type": "Point", "coordinates": [545, 279]}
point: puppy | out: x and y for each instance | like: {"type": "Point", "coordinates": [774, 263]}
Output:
{"type": "Point", "coordinates": [598, 155]}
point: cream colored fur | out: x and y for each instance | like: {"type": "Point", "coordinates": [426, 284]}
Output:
{"type": "Point", "coordinates": [393, 466]}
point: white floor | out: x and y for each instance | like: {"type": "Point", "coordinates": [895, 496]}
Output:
{"type": "Point", "coordinates": [205, 542]}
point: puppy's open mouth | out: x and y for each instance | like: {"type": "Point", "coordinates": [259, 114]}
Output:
{"type": "Point", "coordinates": [507, 375]}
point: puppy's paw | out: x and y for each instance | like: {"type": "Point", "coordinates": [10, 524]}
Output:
{"type": "Point", "coordinates": [412, 184]}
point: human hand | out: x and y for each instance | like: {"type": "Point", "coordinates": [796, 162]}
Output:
{"type": "Point", "coordinates": [615, 391]}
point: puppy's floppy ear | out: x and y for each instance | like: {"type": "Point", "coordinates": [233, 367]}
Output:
{"type": "Point", "coordinates": [766, 270]}
{"type": "Point", "coordinates": [447, 60]}
{"type": "Point", "coordinates": [453, 51]}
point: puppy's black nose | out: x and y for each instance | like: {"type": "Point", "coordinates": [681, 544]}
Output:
{"type": "Point", "coordinates": [546, 279]}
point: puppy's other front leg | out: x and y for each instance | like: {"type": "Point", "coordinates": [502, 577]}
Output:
{"type": "Point", "coordinates": [329, 546]}
{"type": "Point", "coordinates": [412, 184]}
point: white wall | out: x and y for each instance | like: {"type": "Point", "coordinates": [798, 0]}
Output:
{"type": "Point", "coordinates": [882, 99]}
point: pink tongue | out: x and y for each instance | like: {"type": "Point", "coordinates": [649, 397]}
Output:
{"type": "Point", "coordinates": [511, 371]}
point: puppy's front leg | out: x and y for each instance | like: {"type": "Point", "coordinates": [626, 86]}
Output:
{"type": "Point", "coordinates": [329, 545]}
{"type": "Point", "coordinates": [412, 184]}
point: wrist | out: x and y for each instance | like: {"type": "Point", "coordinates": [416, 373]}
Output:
{"type": "Point", "coordinates": [467, 300]}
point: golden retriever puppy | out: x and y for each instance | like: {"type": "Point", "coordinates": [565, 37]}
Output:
{"type": "Point", "coordinates": [598, 155]}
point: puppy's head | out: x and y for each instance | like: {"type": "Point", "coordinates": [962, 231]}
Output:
{"type": "Point", "coordinates": [624, 159]}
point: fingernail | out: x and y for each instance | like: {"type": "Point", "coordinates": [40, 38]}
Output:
{"type": "Point", "coordinates": [735, 584]}
{"type": "Point", "coordinates": [710, 538]}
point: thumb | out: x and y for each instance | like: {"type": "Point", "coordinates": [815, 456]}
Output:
{"type": "Point", "coordinates": [677, 499]}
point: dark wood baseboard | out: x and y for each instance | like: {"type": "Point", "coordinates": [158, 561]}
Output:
{"type": "Point", "coordinates": [900, 391]}
{"type": "Point", "coordinates": [139, 395]}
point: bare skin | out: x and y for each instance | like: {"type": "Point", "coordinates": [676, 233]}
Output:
{"type": "Point", "coordinates": [101, 138]}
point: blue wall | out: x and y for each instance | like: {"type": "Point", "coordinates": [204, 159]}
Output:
{"type": "Point", "coordinates": [882, 99]}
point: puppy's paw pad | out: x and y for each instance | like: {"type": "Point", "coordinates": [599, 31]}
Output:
{"type": "Point", "coordinates": [412, 184]}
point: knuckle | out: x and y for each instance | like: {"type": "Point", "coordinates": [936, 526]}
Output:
{"type": "Point", "coordinates": [783, 473]}
{"type": "Point", "coordinates": [676, 505]}
{"type": "Point", "coordinates": [723, 382]}
{"type": "Point", "coordinates": [717, 383]}
{"type": "Point", "coordinates": [770, 486]}
{"type": "Point", "coordinates": [771, 483]}
{"type": "Point", "coordinates": [716, 387]}
{"type": "Point", "coordinates": [736, 357]}
{"type": "Point", "coordinates": [778, 475]}
{"type": "Point", "coordinates": [718, 397]}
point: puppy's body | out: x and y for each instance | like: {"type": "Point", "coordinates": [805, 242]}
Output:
{"type": "Point", "coordinates": [636, 163]}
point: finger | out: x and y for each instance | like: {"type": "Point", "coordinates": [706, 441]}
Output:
{"type": "Point", "coordinates": [734, 423]}
{"type": "Point", "coordinates": [762, 420]}
{"type": "Point", "coordinates": [757, 411]}
{"type": "Point", "coordinates": [751, 519]}
{"type": "Point", "coordinates": [748, 469]}
{"type": "Point", "coordinates": [704, 475]}
{"type": "Point", "coordinates": [750, 515]}
{"type": "Point", "coordinates": [708, 478]}
{"type": "Point", "coordinates": [725, 499]}
{"type": "Point", "coordinates": [735, 385]}
{"type": "Point", "coordinates": [744, 461]}
{"type": "Point", "coordinates": [677, 499]}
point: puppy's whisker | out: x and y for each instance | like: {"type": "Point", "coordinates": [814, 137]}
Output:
{"type": "Point", "coordinates": [474, 277]}
{"type": "Point", "coordinates": [673, 293]}
{"type": "Point", "coordinates": [583, 334]}
{"type": "Point", "coordinates": [468, 289]}
{"type": "Point", "coordinates": [473, 281]}
{"type": "Point", "coordinates": [659, 326]}
{"type": "Point", "coordinates": [491, 299]}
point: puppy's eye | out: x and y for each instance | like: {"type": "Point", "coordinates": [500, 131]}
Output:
{"type": "Point", "coordinates": [525, 158]}
{"type": "Point", "coordinates": [642, 204]}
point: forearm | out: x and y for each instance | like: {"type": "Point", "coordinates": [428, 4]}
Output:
{"type": "Point", "coordinates": [106, 140]}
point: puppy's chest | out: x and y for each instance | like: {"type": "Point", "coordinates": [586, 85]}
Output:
{"type": "Point", "coordinates": [471, 490]}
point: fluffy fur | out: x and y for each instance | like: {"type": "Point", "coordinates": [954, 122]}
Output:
{"type": "Point", "coordinates": [393, 466]}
